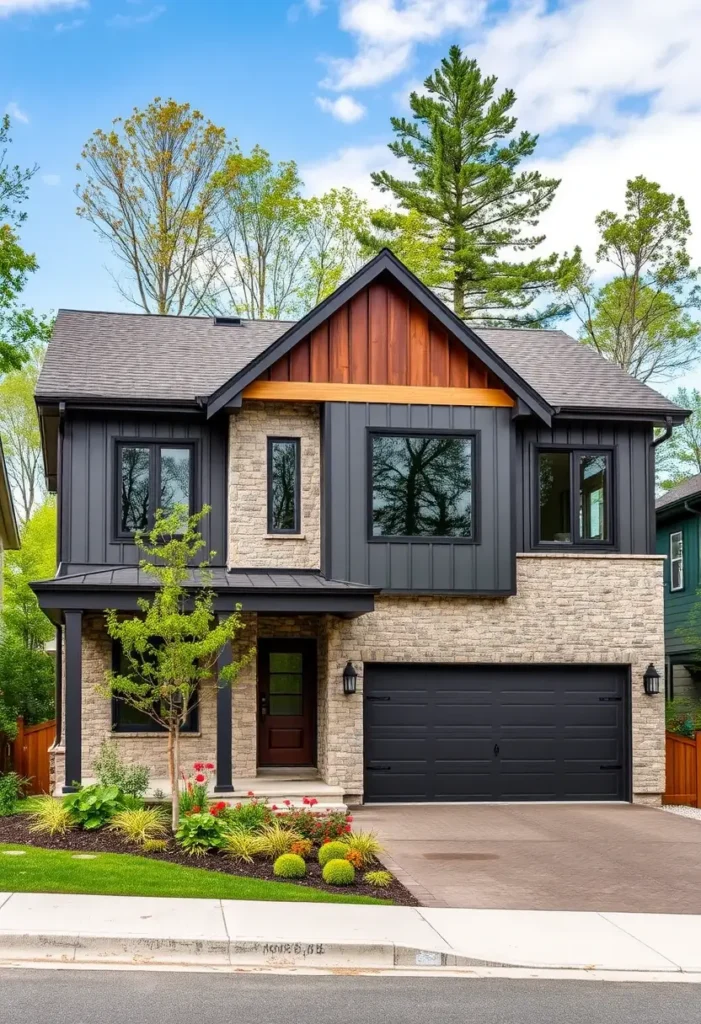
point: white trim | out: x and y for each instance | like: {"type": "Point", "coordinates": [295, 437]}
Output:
{"type": "Point", "coordinates": [680, 560]}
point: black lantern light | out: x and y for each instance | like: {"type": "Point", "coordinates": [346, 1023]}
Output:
{"type": "Point", "coordinates": [651, 680]}
{"type": "Point", "coordinates": [349, 678]}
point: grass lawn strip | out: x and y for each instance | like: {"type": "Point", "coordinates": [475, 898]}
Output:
{"type": "Point", "coordinates": [121, 874]}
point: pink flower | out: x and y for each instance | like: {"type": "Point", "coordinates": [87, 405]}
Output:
{"type": "Point", "coordinates": [209, 766]}
{"type": "Point", "coordinates": [200, 778]}
{"type": "Point", "coordinates": [274, 807]}
{"type": "Point", "coordinates": [250, 793]}
{"type": "Point", "coordinates": [287, 803]}
{"type": "Point", "coordinates": [198, 766]}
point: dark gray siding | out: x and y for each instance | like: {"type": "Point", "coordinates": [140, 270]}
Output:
{"type": "Point", "coordinates": [86, 489]}
{"type": "Point", "coordinates": [486, 567]}
{"type": "Point", "coordinates": [633, 508]}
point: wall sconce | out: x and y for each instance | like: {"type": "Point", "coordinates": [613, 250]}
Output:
{"type": "Point", "coordinates": [349, 678]}
{"type": "Point", "coordinates": [651, 680]}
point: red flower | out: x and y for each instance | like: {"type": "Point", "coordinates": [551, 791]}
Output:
{"type": "Point", "coordinates": [250, 793]}
{"type": "Point", "coordinates": [200, 778]}
{"type": "Point", "coordinates": [198, 766]}
{"type": "Point", "coordinates": [209, 766]}
{"type": "Point", "coordinates": [305, 800]}
{"type": "Point", "coordinates": [195, 810]}
{"type": "Point", "coordinates": [312, 800]}
{"type": "Point", "coordinates": [287, 803]}
{"type": "Point", "coordinates": [349, 817]}
{"type": "Point", "coordinates": [274, 807]}
{"type": "Point", "coordinates": [222, 805]}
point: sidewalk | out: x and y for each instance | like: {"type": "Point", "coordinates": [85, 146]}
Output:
{"type": "Point", "coordinates": [146, 930]}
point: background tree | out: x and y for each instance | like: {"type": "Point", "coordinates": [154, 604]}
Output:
{"type": "Point", "coordinates": [641, 318]}
{"type": "Point", "coordinates": [19, 430]}
{"type": "Point", "coordinates": [680, 457]}
{"type": "Point", "coordinates": [469, 200]}
{"type": "Point", "coordinates": [172, 647]}
{"type": "Point", "coordinates": [148, 192]}
{"type": "Point", "coordinates": [26, 670]}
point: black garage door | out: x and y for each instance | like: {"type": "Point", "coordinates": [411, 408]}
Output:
{"type": "Point", "coordinates": [457, 732]}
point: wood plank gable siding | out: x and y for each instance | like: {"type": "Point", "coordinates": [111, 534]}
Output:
{"type": "Point", "coordinates": [382, 336]}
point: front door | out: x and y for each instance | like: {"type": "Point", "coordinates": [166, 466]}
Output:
{"type": "Point", "coordinates": [286, 702]}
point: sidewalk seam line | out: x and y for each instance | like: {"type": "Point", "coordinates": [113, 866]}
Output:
{"type": "Point", "coordinates": [226, 930]}
{"type": "Point", "coordinates": [603, 916]}
{"type": "Point", "coordinates": [433, 928]}
{"type": "Point", "coordinates": [4, 903]}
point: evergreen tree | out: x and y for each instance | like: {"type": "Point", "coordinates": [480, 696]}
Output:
{"type": "Point", "coordinates": [463, 221]}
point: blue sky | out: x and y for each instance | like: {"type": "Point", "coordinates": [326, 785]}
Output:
{"type": "Point", "coordinates": [613, 87]}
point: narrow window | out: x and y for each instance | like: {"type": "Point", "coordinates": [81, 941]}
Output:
{"type": "Point", "coordinates": [135, 481]}
{"type": "Point", "coordinates": [555, 503]}
{"type": "Point", "coordinates": [283, 484]}
{"type": "Point", "coordinates": [574, 496]}
{"type": "Point", "coordinates": [676, 561]}
{"type": "Point", "coordinates": [593, 497]}
{"type": "Point", "coordinates": [175, 478]}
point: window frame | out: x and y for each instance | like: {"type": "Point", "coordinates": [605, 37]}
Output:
{"type": "Point", "coordinates": [297, 528]}
{"type": "Point", "coordinates": [191, 727]}
{"type": "Point", "coordinates": [680, 560]}
{"type": "Point", "coordinates": [155, 446]}
{"type": "Point", "coordinates": [575, 452]}
{"type": "Point", "coordinates": [473, 435]}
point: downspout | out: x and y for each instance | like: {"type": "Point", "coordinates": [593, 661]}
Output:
{"type": "Point", "coordinates": [59, 553]}
{"type": "Point", "coordinates": [666, 435]}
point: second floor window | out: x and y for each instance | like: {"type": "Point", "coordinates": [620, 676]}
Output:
{"type": "Point", "coordinates": [676, 561]}
{"type": "Point", "coordinates": [127, 718]}
{"type": "Point", "coordinates": [283, 485]}
{"type": "Point", "coordinates": [150, 476]}
{"type": "Point", "coordinates": [574, 497]}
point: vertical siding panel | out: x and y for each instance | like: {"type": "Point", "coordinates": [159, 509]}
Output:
{"type": "Point", "coordinates": [299, 361]}
{"type": "Point", "coordinates": [281, 369]}
{"type": "Point", "coordinates": [99, 523]}
{"type": "Point", "coordinates": [439, 373]}
{"type": "Point", "coordinates": [377, 334]}
{"type": "Point", "coordinates": [355, 439]}
{"type": "Point", "coordinates": [420, 574]}
{"type": "Point", "coordinates": [339, 348]}
{"type": "Point", "coordinates": [419, 346]}
{"type": "Point", "coordinates": [358, 313]}
{"type": "Point", "coordinates": [397, 338]}
{"type": "Point", "coordinates": [478, 376]}
{"type": "Point", "coordinates": [319, 357]}
{"type": "Point", "coordinates": [80, 492]}
{"type": "Point", "coordinates": [399, 555]}
{"type": "Point", "coordinates": [459, 371]}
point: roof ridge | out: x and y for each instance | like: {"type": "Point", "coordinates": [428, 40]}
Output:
{"type": "Point", "coordinates": [169, 316]}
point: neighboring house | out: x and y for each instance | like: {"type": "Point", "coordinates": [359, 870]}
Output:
{"type": "Point", "coordinates": [678, 525]}
{"type": "Point", "coordinates": [463, 517]}
{"type": "Point", "coordinates": [9, 531]}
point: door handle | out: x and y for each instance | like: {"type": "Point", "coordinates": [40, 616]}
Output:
{"type": "Point", "coordinates": [263, 705]}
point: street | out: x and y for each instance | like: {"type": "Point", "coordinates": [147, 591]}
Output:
{"type": "Point", "coordinates": [117, 997]}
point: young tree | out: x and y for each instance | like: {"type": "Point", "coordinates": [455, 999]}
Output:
{"type": "Point", "coordinates": [19, 430]}
{"type": "Point", "coordinates": [641, 318]}
{"type": "Point", "coordinates": [148, 192]}
{"type": "Point", "coordinates": [173, 645]}
{"type": "Point", "coordinates": [680, 456]}
{"type": "Point", "coordinates": [468, 199]}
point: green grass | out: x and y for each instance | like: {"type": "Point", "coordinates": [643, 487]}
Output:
{"type": "Point", "coordinates": [121, 874]}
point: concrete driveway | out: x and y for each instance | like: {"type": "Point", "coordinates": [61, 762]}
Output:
{"type": "Point", "coordinates": [600, 857]}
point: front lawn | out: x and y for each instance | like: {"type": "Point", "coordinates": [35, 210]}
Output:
{"type": "Point", "coordinates": [122, 874]}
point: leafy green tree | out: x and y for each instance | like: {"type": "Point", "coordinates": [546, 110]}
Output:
{"type": "Point", "coordinates": [680, 457]}
{"type": "Point", "coordinates": [172, 646]}
{"type": "Point", "coordinates": [463, 221]}
{"type": "Point", "coordinates": [641, 318]}
{"type": "Point", "coordinates": [148, 192]}
{"type": "Point", "coordinates": [19, 430]}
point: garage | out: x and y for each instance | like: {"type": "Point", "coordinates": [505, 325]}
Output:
{"type": "Point", "coordinates": [495, 732]}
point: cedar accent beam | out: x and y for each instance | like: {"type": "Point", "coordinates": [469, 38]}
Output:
{"type": "Point", "coordinates": [396, 394]}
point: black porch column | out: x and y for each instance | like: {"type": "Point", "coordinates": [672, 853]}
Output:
{"type": "Point", "coordinates": [73, 684]}
{"type": "Point", "coordinates": [225, 782]}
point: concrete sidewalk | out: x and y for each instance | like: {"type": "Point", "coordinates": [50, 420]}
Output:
{"type": "Point", "coordinates": [146, 930]}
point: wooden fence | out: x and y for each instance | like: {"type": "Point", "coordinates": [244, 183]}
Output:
{"type": "Point", "coordinates": [28, 754]}
{"type": "Point", "coordinates": [683, 770]}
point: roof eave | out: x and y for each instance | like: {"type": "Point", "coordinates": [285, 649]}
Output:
{"type": "Point", "coordinates": [9, 528]}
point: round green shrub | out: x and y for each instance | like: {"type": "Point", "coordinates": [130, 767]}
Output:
{"type": "Point", "coordinates": [380, 879]}
{"type": "Point", "coordinates": [332, 851]}
{"type": "Point", "coordinates": [339, 872]}
{"type": "Point", "coordinates": [289, 865]}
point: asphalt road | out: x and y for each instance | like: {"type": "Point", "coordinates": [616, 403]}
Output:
{"type": "Point", "coordinates": [137, 997]}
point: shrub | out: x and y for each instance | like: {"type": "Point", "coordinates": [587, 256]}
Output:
{"type": "Point", "coordinates": [110, 770]}
{"type": "Point", "coordinates": [52, 817]}
{"type": "Point", "coordinates": [366, 844]}
{"type": "Point", "coordinates": [303, 847]}
{"type": "Point", "coordinates": [194, 798]}
{"type": "Point", "coordinates": [138, 826]}
{"type": "Point", "coordinates": [277, 839]}
{"type": "Point", "coordinates": [93, 806]}
{"type": "Point", "coordinates": [380, 879]}
{"type": "Point", "coordinates": [289, 865]}
{"type": "Point", "coordinates": [242, 845]}
{"type": "Point", "coordinates": [251, 816]}
{"type": "Point", "coordinates": [11, 788]}
{"type": "Point", "coordinates": [338, 872]}
{"type": "Point", "coordinates": [319, 826]}
{"type": "Point", "coordinates": [355, 858]}
{"type": "Point", "coordinates": [155, 845]}
{"type": "Point", "coordinates": [332, 851]}
{"type": "Point", "coordinates": [683, 716]}
{"type": "Point", "coordinates": [199, 833]}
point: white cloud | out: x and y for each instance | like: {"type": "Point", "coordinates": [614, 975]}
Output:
{"type": "Point", "coordinates": [69, 26]}
{"type": "Point", "coordinates": [8, 7]}
{"type": "Point", "coordinates": [314, 6]}
{"type": "Point", "coordinates": [387, 32]}
{"type": "Point", "coordinates": [349, 167]}
{"type": "Point", "coordinates": [133, 20]}
{"type": "Point", "coordinates": [345, 108]}
{"type": "Point", "coordinates": [16, 112]}
{"type": "Point", "coordinates": [52, 180]}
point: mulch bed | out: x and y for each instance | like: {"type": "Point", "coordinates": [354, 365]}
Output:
{"type": "Point", "coordinates": [15, 829]}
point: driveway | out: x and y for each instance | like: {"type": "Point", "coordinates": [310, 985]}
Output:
{"type": "Point", "coordinates": [600, 857]}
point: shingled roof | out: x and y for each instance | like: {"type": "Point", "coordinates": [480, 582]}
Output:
{"type": "Point", "coordinates": [685, 491]}
{"type": "Point", "coordinates": [143, 357]}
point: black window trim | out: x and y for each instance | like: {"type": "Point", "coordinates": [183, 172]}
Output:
{"type": "Point", "coordinates": [672, 588]}
{"type": "Point", "coordinates": [473, 434]}
{"type": "Point", "coordinates": [575, 451]}
{"type": "Point", "coordinates": [190, 728]}
{"type": "Point", "coordinates": [297, 528]}
{"type": "Point", "coordinates": [155, 444]}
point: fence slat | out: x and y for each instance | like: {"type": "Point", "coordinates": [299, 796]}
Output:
{"type": "Point", "coordinates": [29, 754]}
{"type": "Point", "coordinates": [683, 770]}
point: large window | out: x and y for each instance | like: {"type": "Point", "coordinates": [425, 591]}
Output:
{"type": "Point", "coordinates": [422, 485]}
{"type": "Point", "coordinates": [676, 561]}
{"type": "Point", "coordinates": [574, 497]}
{"type": "Point", "coordinates": [126, 718]}
{"type": "Point", "coordinates": [283, 485]}
{"type": "Point", "coordinates": [150, 476]}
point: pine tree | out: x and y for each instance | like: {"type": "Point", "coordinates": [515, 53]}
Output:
{"type": "Point", "coordinates": [462, 221]}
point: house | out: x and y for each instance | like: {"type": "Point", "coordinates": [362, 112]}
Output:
{"type": "Point", "coordinates": [678, 524]}
{"type": "Point", "coordinates": [458, 521]}
{"type": "Point", "coordinates": [9, 531]}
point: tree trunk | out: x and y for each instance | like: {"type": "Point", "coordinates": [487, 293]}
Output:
{"type": "Point", "coordinates": [173, 774]}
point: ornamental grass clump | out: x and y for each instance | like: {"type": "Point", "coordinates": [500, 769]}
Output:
{"type": "Point", "coordinates": [141, 824]}
{"type": "Point", "coordinates": [380, 879]}
{"type": "Point", "coordinates": [338, 872]}
{"type": "Point", "coordinates": [52, 818]}
{"type": "Point", "coordinates": [277, 839]}
{"type": "Point", "coordinates": [366, 844]}
{"type": "Point", "coordinates": [289, 865]}
{"type": "Point", "coordinates": [332, 851]}
{"type": "Point", "coordinates": [242, 845]}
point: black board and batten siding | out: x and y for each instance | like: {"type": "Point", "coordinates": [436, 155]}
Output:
{"type": "Point", "coordinates": [87, 488]}
{"type": "Point", "coordinates": [485, 567]}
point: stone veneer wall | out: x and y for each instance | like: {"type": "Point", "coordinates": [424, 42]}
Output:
{"type": "Point", "coordinates": [250, 545]}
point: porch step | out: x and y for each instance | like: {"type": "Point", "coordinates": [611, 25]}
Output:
{"type": "Point", "coordinates": [276, 790]}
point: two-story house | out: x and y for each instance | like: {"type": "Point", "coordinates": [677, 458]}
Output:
{"type": "Point", "coordinates": [442, 539]}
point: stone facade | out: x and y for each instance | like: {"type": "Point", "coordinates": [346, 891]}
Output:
{"type": "Point", "coordinates": [569, 608]}
{"type": "Point", "coordinates": [250, 546]}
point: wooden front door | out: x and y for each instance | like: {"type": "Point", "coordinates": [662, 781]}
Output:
{"type": "Point", "coordinates": [286, 703]}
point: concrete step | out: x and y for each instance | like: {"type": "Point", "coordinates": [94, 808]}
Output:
{"type": "Point", "coordinates": [275, 791]}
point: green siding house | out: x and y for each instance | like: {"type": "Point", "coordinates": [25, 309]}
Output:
{"type": "Point", "coordinates": [678, 514]}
